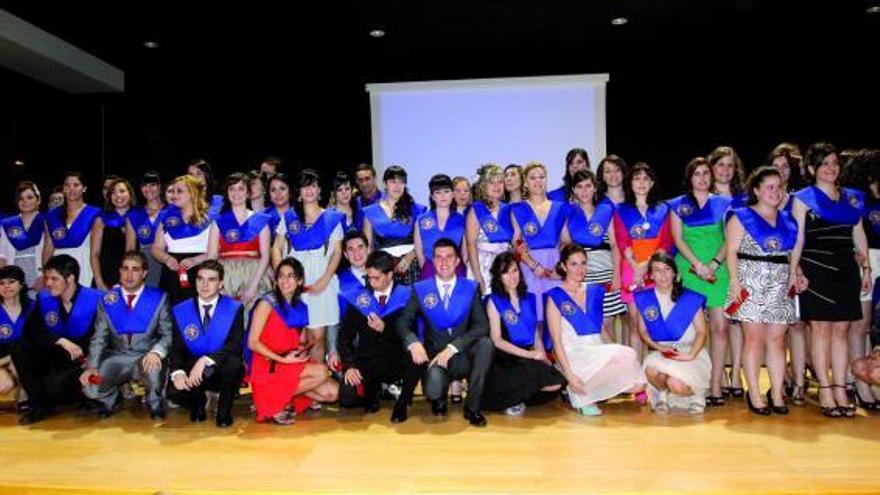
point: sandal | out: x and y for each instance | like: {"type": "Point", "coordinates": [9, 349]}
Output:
{"type": "Point", "coordinates": [797, 395]}
{"type": "Point", "coordinates": [737, 392]}
{"type": "Point", "coordinates": [713, 401]}
{"type": "Point", "coordinates": [829, 411]}
{"type": "Point", "coordinates": [868, 406]}
{"type": "Point", "coordinates": [848, 410]}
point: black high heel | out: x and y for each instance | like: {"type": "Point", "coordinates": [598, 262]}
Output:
{"type": "Point", "coordinates": [763, 411]}
{"type": "Point", "coordinates": [783, 409]}
{"type": "Point", "coordinates": [797, 395]}
{"type": "Point", "coordinates": [830, 411]}
{"type": "Point", "coordinates": [849, 410]}
{"type": "Point", "coordinates": [868, 406]}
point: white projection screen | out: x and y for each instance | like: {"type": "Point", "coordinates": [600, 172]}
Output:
{"type": "Point", "coordinates": [454, 126]}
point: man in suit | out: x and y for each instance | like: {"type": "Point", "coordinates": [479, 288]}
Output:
{"type": "Point", "coordinates": [456, 333]}
{"type": "Point", "coordinates": [206, 348]}
{"type": "Point", "coordinates": [370, 350]}
{"type": "Point", "coordinates": [56, 335]}
{"type": "Point", "coordinates": [131, 340]}
{"type": "Point", "coordinates": [351, 276]}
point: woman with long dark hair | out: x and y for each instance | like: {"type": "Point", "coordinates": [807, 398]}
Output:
{"type": "Point", "coordinates": [441, 221]}
{"type": "Point", "coordinates": [109, 241]}
{"type": "Point", "coordinates": [697, 222]}
{"type": "Point", "coordinates": [284, 381]}
{"type": "Point", "coordinates": [521, 374]}
{"type": "Point", "coordinates": [514, 184]}
{"type": "Point", "coordinates": [15, 307]}
{"type": "Point", "coordinates": [595, 369]}
{"type": "Point", "coordinates": [390, 222]}
{"type": "Point", "coordinates": [142, 220]}
{"type": "Point", "coordinates": [830, 220]}
{"type": "Point", "coordinates": [69, 227]}
{"type": "Point", "coordinates": [576, 159]}
{"type": "Point", "coordinates": [342, 200]}
{"type": "Point", "coordinates": [673, 326]}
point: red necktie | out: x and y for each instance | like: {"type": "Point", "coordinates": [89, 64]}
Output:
{"type": "Point", "coordinates": [382, 299]}
{"type": "Point", "coordinates": [130, 298]}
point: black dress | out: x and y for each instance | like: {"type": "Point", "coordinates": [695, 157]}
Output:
{"type": "Point", "coordinates": [513, 380]}
{"type": "Point", "coordinates": [828, 261]}
{"type": "Point", "coordinates": [112, 252]}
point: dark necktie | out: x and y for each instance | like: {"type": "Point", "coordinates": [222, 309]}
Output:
{"type": "Point", "coordinates": [382, 300]}
{"type": "Point", "coordinates": [130, 298]}
{"type": "Point", "coordinates": [206, 320]}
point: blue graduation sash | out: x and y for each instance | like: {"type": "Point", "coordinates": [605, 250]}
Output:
{"type": "Point", "coordinates": [113, 219]}
{"type": "Point", "coordinates": [347, 281]}
{"type": "Point", "coordinates": [79, 322]}
{"type": "Point", "coordinates": [739, 200]}
{"type": "Point", "coordinates": [20, 237]}
{"type": "Point", "coordinates": [590, 232]}
{"type": "Point", "coordinates": [215, 205]}
{"type": "Point", "coordinates": [234, 232]}
{"type": "Point", "coordinates": [142, 226]}
{"type": "Point", "coordinates": [388, 228]}
{"type": "Point", "coordinates": [203, 341]}
{"type": "Point", "coordinates": [431, 302]}
{"type": "Point", "coordinates": [558, 194]}
{"type": "Point", "coordinates": [357, 222]}
{"type": "Point", "coordinates": [365, 301]}
{"type": "Point", "coordinates": [847, 211]}
{"type": "Point", "coordinates": [588, 323]}
{"type": "Point", "coordinates": [671, 328]}
{"type": "Point", "coordinates": [172, 221]}
{"type": "Point", "coordinates": [136, 320]}
{"type": "Point", "coordinates": [539, 236]}
{"type": "Point", "coordinates": [496, 230]}
{"type": "Point", "coordinates": [10, 331]}
{"type": "Point", "coordinates": [769, 238]}
{"type": "Point", "coordinates": [872, 215]}
{"type": "Point", "coordinates": [520, 326]}
{"type": "Point", "coordinates": [690, 213]}
{"type": "Point", "coordinates": [639, 227]}
{"type": "Point", "coordinates": [62, 237]}
{"type": "Point", "coordinates": [429, 229]}
{"type": "Point", "coordinates": [294, 316]}
{"type": "Point", "coordinates": [304, 238]}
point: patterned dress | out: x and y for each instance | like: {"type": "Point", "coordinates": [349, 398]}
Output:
{"type": "Point", "coordinates": [767, 284]}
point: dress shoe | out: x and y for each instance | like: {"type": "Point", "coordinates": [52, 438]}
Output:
{"type": "Point", "coordinates": [105, 412]}
{"type": "Point", "coordinates": [399, 414]}
{"type": "Point", "coordinates": [198, 414]}
{"type": "Point", "coordinates": [32, 416]}
{"type": "Point", "coordinates": [372, 406]}
{"type": "Point", "coordinates": [761, 411]}
{"type": "Point", "coordinates": [439, 407]}
{"type": "Point", "coordinates": [157, 413]}
{"type": "Point", "coordinates": [475, 418]}
{"type": "Point", "coordinates": [224, 420]}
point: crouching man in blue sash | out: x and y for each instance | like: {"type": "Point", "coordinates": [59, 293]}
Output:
{"type": "Point", "coordinates": [370, 350]}
{"type": "Point", "coordinates": [206, 348]}
{"type": "Point", "coordinates": [456, 332]}
{"type": "Point", "coordinates": [56, 336]}
{"type": "Point", "coordinates": [131, 340]}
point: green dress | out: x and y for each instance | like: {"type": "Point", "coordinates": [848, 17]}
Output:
{"type": "Point", "coordinates": [703, 231]}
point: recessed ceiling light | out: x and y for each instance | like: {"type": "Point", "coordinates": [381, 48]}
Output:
{"type": "Point", "coordinates": [19, 163]}
{"type": "Point", "coordinates": [151, 44]}
{"type": "Point", "coordinates": [874, 9]}
{"type": "Point", "coordinates": [619, 21]}
{"type": "Point", "coordinates": [377, 33]}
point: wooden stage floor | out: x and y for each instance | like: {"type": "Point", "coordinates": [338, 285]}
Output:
{"type": "Point", "coordinates": [551, 449]}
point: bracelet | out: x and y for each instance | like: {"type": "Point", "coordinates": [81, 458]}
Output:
{"type": "Point", "coordinates": [717, 261]}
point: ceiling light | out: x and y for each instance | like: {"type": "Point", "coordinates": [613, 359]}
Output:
{"type": "Point", "coordinates": [377, 33]}
{"type": "Point", "coordinates": [19, 163]}
{"type": "Point", "coordinates": [619, 21]}
{"type": "Point", "coordinates": [151, 44]}
{"type": "Point", "coordinates": [874, 9]}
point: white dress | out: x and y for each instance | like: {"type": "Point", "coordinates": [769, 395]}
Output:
{"type": "Point", "coordinates": [30, 260]}
{"type": "Point", "coordinates": [82, 254]}
{"type": "Point", "coordinates": [695, 374]}
{"type": "Point", "coordinates": [323, 307]}
{"type": "Point", "coordinates": [606, 369]}
{"type": "Point", "coordinates": [486, 253]}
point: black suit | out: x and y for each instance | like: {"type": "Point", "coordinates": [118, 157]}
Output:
{"type": "Point", "coordinates": [228, 368]}
{"type": "Point", "coordinates": [470, 338]}
{"type": "Point", "coordinates": [45, 369]}
{"type": "Point", "coordinates": [377, 355]}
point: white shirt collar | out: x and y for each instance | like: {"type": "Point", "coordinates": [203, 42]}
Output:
{"type": "Point", "coordinates": [359, 274]}
{"type": "Point", "coordinates": [386, 293]}
{"type": "Point", "coordinates": [212, 302]}
{"type": "Point", "coordinates": [136, 293]}
{"type": "Point", "coordinates": [441, 284]}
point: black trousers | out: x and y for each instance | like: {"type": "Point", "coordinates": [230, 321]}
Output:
{"type": "Point", "coordinates": [471, 362]}
{"type": "Point", "coordinates": [48, 376]}
{"type": "Point", "coordinates": [225, 379]}
{"type": "Point", "coordinates": [375, 372]}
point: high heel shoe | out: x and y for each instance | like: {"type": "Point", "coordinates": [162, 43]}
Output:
{"type": "Point", "coordinates": [763, 411]}
{"type": "Point", "coordinates": [868, 406]}
{"type": "Point", "coordinates": [797, 395]}
{"type": "Point", "coordinates": [848, 410]}
{"type": "Point", "coordinates": [829, 411]}
{"type": "Point", "coordinates": [783, 409]}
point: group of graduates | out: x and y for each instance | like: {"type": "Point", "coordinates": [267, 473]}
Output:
{"type": "Point", "coordinates": [499, 286]}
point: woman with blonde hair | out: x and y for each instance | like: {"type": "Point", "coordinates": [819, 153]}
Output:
{"type": "Point", "coordinates": [488, 227]}
{"type": "Point", "coordinates": [21, 239]}
{"type": "Point", "coordinates": [184, 237]}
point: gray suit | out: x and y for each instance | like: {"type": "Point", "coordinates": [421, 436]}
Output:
{"type": "Point", "coordinates": [117, 357]}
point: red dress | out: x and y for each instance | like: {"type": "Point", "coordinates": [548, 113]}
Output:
{"type": "Point", "coordinates": [275, 383]}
